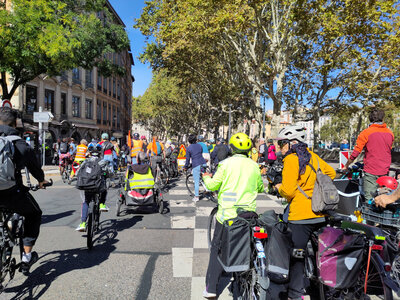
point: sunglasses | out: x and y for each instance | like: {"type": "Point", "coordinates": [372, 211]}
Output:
{"type": "Point", "coordinates": [282, 143]}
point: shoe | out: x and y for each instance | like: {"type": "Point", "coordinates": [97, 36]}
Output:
{"type": "Point", "coordinates": [208, 295]}
{"type": "Point", "coordinates": [81, 227]}
{"type": "Point", "coordinates": [25, 266]}
{"type": "Point", "coordinates": [195, 199]}
{"type": "Point", "coordinates": [103, 207]}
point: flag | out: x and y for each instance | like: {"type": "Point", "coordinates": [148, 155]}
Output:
{"type": "Point", "coordinates": [129, 141]}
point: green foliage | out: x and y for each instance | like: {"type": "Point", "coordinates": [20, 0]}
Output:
{"type": "Point", "coordinates": [49, 36]}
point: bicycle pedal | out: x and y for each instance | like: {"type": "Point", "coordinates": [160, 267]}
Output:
{"type": "Point", "coordinates": [298, 253]}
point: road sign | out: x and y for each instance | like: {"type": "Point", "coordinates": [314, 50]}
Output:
{"type": "Point", "coordinates": [43, 116]}
{"type": "Point", "coordinates": [182, 152]}
{"type": "Point", "coordinates": [343, 158]}
{"type": "Point", "coordinates": [6, 103]}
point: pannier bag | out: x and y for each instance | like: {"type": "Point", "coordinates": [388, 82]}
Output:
{"type": "Point", "coordinates": [234, 250]}
{"type": "Point", "coordinates": [325, 196]}
{"type": "Point", "coordinates": [89, 176]}
{"type": "Point", "coordinates": [279, 237]}
{"type": "Point", "coordinates": [7, 167]}
{"type": "Point", "coordinates": [349, 195]}
{"type": "Point", "coordinates": [340, 256]}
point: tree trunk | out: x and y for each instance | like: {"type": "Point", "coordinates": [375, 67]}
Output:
{"type": "Point", "coordinates": [316, 116]}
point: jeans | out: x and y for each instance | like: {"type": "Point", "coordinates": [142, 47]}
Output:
{"type": "Point", "coordinates": [134, 160]}
{"type": "Point", "coordinates": [86, 198]}
{"type": "Point", "coordinates": [196, 178]}
{"type": "Point", "coordinates": [109, 158]}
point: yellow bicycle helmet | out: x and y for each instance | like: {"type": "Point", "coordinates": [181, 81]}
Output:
{"type": "Point", "coordinates": [240, 143]}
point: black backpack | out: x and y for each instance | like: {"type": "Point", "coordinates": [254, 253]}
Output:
{"type": "Point", "coordinates": [90, 176]}
{"type": "Point", "coordinates": [63, 148]}
{"type": "Point", "coordinates": [223, 152]}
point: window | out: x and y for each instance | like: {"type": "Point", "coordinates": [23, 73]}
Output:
{"type": "Point", "coordinates": [109, 91]}
{"type": "Point", "coordinates": [63, 104]}
{"type": "Point", "coordinates": [114, 120]}
{"type": "Point", "coordinates": [89, 78]}
{"type": "Point", "coordinates": [105, 85]}
{"type": "Point", "coordinates": [89, 108]}
{"type": "Point", "coordinates": [118, 119]}
{"type": "Point", "coordinates": [99, 80]}
{"type": "Point", "coordinates": [104, 113]}
{"type": "Point", "coordinates": [31, 99]}
{"type": "Point", "coordinates": [49, 100]}
{"type": "Point", "coordinates": [75, 106]}
{"type": "Point", "coordinates": [118, 91]}
{"type": "Point", "coordinates": [109, 114]}
{"type": "Point", "coordinates": [76, 75]}
{"type": "Point", "coordinates": [98, 111]}
{"type": "Point", "coordinates": [114, 88]}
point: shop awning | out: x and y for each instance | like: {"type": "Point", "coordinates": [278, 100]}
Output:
{"type": "Point", "coordinates": [83, 125]}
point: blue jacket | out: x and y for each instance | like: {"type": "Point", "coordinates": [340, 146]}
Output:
{"type": "Point", "coordinates": [194, 152]}
{"type": "Point", "coordinates": [204, 147]}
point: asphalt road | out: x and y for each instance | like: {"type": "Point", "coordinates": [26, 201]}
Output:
{"type": "Point", "coordinates": [139, 255]}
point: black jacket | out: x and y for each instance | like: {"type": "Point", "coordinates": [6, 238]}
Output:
{"type": "Point", "coordinates": [24, 156]}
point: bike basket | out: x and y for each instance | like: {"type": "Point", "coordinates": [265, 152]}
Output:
{"type": "Point", "coordinates": [234, 250]}
{"type": "Point", "coordinates": [385, 217]}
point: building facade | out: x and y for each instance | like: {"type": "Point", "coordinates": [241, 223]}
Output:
{"type": "Point", "coordinates": [84, 103]}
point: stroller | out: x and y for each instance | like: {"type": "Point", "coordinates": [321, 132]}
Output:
{"type": "Point", "coordinates": [149, 196]}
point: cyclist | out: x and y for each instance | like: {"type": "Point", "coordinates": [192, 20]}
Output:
{"type": "Point", "coordinates": [80, 155]}
{"type": "Point", "coordinates": [195, 153]}
{"type": "Point", "coordinates": [17, 198]}
{"type": "Point", "coordinates": [107, 148]}
{"type": "Point", "coordinates": [238, 180]}
{"type": "Point", "coordinates": [86, 196]}
{"type": "Point", "coordinates": [137, 146]}
{"type": "Point", "coordinates": [297, 173]}
{"type": "Point", "coordinates": [64, 155]}
{"type": "Point", "coordinates": [206, 153]}
{"type": "Point", "coordinates": [221, 152]}
{"type": "Point", "coordinates": [155, 151]}
{"type": "Point", "coordinates": [115, 152]}
{"type": "Point", "coordinates": [377, 141]}
{"type": "Point", "coordinates": [270, 152]}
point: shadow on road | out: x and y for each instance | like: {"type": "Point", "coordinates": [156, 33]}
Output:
{"type": "Point", "coordinates": [51, 218]}
{"type": "Point", "coordinates": [59, 262]}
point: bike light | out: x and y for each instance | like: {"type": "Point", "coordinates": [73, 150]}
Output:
{"type": "Point", "coordinates": [256, 228]}
{"type": "Point", "coordinates": [377, 247]}
{"type": "Point", "coordinates": [260, 235]}
{"type": "Point", "coordinates": [388, 267]}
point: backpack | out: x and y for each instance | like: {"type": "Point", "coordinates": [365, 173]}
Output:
{"type": "Point", "coordinates": [63, 148]}
{"type": "Point", "coordinates": [90, 176]}
{"type": "Point", "coordinates": [107, 145]}
{"type": "Point", "coordinates": [7, 167]}
{"type": "Point", "coordinates": [158, 148]}
{"type": "Point", "coordinates": [223, 152]}
{"type": "Point", "coordinates": [325, 196]}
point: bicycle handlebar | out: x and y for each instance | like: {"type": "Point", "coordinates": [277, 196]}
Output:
{"type": "Point", "coordinates": [35, 187]}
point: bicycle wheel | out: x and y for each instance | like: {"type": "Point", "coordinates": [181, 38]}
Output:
{"type": "Point", "coordinates": [211, 226]}
{"type": "Point", "coordinates": [90, 226]}
{"type": "Point", "coordinates": [64, 176]}
{"type": "Point", "coordinates": [376, 287]}
{"type": "Point", "coordinates": [190, 186]}
{"type": "Point", "coordinates": [163, 178]}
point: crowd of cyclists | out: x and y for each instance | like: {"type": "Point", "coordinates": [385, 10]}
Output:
{"type": "Point", "coordinates": [234, 173]}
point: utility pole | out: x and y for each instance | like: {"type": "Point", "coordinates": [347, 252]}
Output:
{"type": "Point", "coordinates": [263, 129]}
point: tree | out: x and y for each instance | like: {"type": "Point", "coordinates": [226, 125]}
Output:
{"type": "Point", "coordinates": [50, 36]}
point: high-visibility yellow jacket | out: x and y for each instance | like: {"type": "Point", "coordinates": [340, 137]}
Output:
{"type": "Point", "coordinates": [141, 181]}
{"type": "Point", "coordinates": [238, 180]}
{"type": "Point", "coordinates": [137, 146]}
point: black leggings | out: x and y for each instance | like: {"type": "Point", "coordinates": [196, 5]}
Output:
{"type": "Point", "coordinates": [20, 201]}
{"type": "Point", "coordinates": [214, 270]}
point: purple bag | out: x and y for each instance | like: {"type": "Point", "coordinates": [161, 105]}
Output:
{"type": "Point", "coordinates": [340, 256]}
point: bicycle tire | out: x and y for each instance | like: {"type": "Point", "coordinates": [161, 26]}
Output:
{"type": "Point", "coordinates": [211, 226]}
{"type": "Point", "coordinates": [190, 184]}
{"type": "Point", "coordinates": [375, 286]}
{"type": "Point", "coordinates": [160, 204]}
{"type": "Point", "coordinates": [64, 176]}
{"type": "Point", "coordinates": [90, 226]}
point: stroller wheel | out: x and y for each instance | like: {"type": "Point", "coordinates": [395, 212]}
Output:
{"type": "Point", "coordinates": [161, 207]}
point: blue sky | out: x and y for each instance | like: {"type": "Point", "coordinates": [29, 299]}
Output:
{"type": "Point", "coordinates": [128, 10]}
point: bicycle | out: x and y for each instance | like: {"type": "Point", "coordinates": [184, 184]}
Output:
{"type": "Point", "coordinates": [93, 220]}
{"type": "Point", "coordinates": [67, 163]}
{"type": "Point", "coordinates": [203, 191]}
{"type": "Point", "coordinates": [373, 277]}
{"type": "Point", "coordinates": [161, 178]}
{"type": "Point", "coordinates": [11, 233]}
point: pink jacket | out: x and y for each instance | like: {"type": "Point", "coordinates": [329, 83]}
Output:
{"type": "Point", "coordinates": [271, 152]}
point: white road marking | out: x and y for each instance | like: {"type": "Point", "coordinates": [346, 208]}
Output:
{"type": "Point", "coordinates": [200, 239]}
{"type": "Point", "coordinates": [182, 262]}
{"type": "Point", "coordinates": [181, 203]}
{"type": "Point", "coordinates": [178, 192]}
{"type": "Point", "coordinates": [182, 222]}
{"type": "Point", "coordinates": [198, 286]}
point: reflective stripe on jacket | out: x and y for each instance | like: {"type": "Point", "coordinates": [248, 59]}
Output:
{"type": "Point", "coordinates": [137, 146]}
{"type": "Point", "coordinates": [239, 181]}
{"type": "Point", "coordinates": [142, 181]}
{"type": "Point", "coordinates": [81, 152]}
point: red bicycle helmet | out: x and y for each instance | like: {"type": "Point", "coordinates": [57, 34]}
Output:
{"type": "Point", "coordinates": [387, 181]}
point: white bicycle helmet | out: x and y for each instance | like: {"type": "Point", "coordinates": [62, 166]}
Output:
{"type": "Point", "coordinates": [294, 132]}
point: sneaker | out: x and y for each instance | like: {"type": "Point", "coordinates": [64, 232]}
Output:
{"type": "Point", "coordinates": [195, 199]}
{"type": "Point", "coordinates": [103, 207]}
{"type": "Point", "coordinates": [81, 227]}
{"type": "Point", "coordinates": [208, 295]}
{"type": "Point", "coordinates": [25, 266]}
